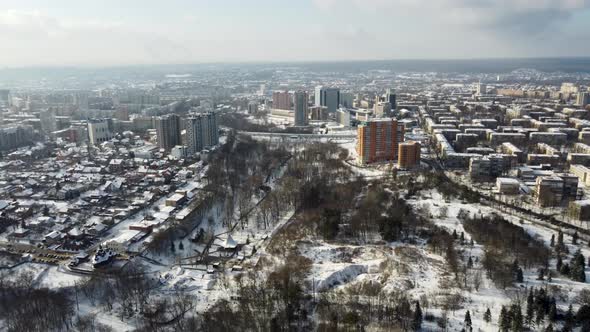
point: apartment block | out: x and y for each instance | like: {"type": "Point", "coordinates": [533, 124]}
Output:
{"type": "Point", "coordinates": [409, 155]}
{"type": "Point", "coordinates": [378, 140]}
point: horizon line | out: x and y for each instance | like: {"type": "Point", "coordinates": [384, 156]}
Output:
{"type": "Point", "coordinates": [271, 62]}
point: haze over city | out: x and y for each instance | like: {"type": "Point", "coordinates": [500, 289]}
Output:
{"type": "Point", "coordinates": [305, 165]}
{"type": "Point", "coordinates": [105, 33]}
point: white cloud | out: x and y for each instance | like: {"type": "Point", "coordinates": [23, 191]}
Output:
{"type": "Point", "coordinates": [514, 15]}
{"type": "Point", "coordinates": [35, 38]}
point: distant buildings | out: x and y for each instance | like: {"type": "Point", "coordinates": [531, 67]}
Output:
{"type": "Point", "coordinates": [300, 108]}
{"type": "Point", "coordinates": [202, 132]}
{"type": "Point", "coordinates": [5, 98]}
{"type": "Point", "coordinates": [378, 140]}
{"type": "Point", "coordinates": [481, 89]}
{"type": "Point", "coordinates": [253, 107]}
{"type": "Point", "coordinates": [344, 117]}
{"type": "Point", "coordinates": [100, 130]}
{"type": "Point", "coordinates": [319, 113]}
{"type": "Point", "coordinates": [81, 100]}
{"type": "Point", "coordinates": [48, 122]}
{"type": "Point", "coordinates": [136, 101]}
{"type": "Point", "coordinates": [382, 109]}
{"type": "Point", "coordinates": [391, 98]}
{"type": "Point", "coordinates": [329, 97]}
{"type": "Point", "coordinates": [168, 131]}
{"type": "Point", "coordinates": [281, 100]}
{"type": "Point", "coordinates": [15, 136]}
{"type": "Point", "coordinates": [347, 99]}
{"type": "Point", "coordinates": [409, 155]}
{"type": "Point", "coordinates": [583, 99]}
{"type": "Point", "coordinates": [569, 88]}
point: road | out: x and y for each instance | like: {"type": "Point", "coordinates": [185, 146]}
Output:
{"type": "Point", "coordinates": [300, 136]}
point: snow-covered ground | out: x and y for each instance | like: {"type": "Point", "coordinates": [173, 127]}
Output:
{"type": "Point", "coordinates": [489, 295]}
{"type": "Point", "coordinates": [409, 269]}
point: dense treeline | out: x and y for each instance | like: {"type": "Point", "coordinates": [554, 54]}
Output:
{"type": "Point", "coordinates": [275, 303]}
{"type": "Point", "coordinates": [352, 313]}
{"type": "Point", "coordinates": [541, 313]}
{"type": "Point", "coordinates": [24, 307]}
{"type": "Point", "coordinates": [131, 294]}
{"type": "Point", "coordinates": [506, 247]}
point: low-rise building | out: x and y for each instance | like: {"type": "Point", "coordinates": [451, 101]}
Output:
{"type": "Point", "coordinates": [582, 172]}
{"type": "Point", "coordinates": [508, 186]}
{"type": "Point", "coordinates": [552, 190]}
{"type": "Point", "coordinates": [490, 166]}
{"type": "Point", "coordinates": [517, 139]}
{"type": "Point", "coordinates": [551, 138]}
{"type": "Point", "coordinates": [409, 155]}
{"type": "Point", "coordinates": [579, 210]}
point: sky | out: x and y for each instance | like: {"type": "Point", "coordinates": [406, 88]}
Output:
{"type": "Point", "coordinates": [133, 32]}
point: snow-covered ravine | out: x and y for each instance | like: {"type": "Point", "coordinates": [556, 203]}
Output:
{"type": "Point", "coordinates": [444, 214]}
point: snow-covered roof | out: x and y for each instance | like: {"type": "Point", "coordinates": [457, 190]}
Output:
{"type": "Point", "coordinates": [229, 243]}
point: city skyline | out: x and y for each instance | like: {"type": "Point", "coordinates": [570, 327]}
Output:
{"type": "Point", "coordinates": [110, 34]}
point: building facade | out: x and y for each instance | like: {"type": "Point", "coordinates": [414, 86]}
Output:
{"type": "Point", "coordinates": [319, 113]}
{"type": "Point", "coordinates": [281, 100]}
{"type": "Point", "coordinates": [409, 155]}
{"type": "Point", "coordinates": [100, 131]}
{"type": "Point", "coordinates": [378, 140]}
{"type": "Point", "coordinates": [202, 132]}
{"type": "Point", "coordinates": [300, 108]}
{"type": "Point", "coordinates": [329, 97]}
{"type": "Point", "coordinates": [15, 136]}
{"type": "Point", "coordinates": [391, 98]}
{"type": "Point", "coordinates": [583, 99]}
{"type": "Point", "coordinates": [168, 130]}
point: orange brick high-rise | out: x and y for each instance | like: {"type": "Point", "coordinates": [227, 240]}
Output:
{"type": "Point", "coordinates": [409, 155]}
{"type": "Point", "coordinates": [378, 140]}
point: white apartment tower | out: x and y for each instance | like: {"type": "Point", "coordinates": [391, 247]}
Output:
{"type": "Point", "coordinates": [202, 132]}
{"type": "Point", "coordinates": [100, 131]}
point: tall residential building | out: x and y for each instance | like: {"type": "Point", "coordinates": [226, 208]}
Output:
{"type": "Point", "coordinates": [202, 131]}
{"type": "Point", "coordinates": [378, 140]}
{"type": "Point", "coordinates": [343, 117]}
{"type": "Point", "coordinates": [482, 89]}
{"type": "Point", "coordinates": [100, 131]}
{"type": "Point", "coordinates": [329, 97]}
{"type": "Point", "coordinates": [48, 122]}
{"type": "Point", "coordinates": [122, 113]}
{"type": "Point", "coordinates": [281, 100]}
{"type": "Point", "coordinates": [81, 100]}
{"type": "Point", "coordinates": [409, 155]}
{"type": "Point", "coordinates": [253, 107]}
{"type": "Point", "coordinates": [5, 98]}
{"type": "Point", "coordinates": [300, 106]}
{"type": "Point", "coordinates": [347, 99]}
{"type": "Point", "coordinates": [168, 130]}
{"type": "Point", "coordinates": [262, 90]}
{"type": "Point", "coordinates": [391, 97]}
{"type": "Point", "coordinates": [15, 136]}
{"type": "Point", "coordinates": [583, 99]}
